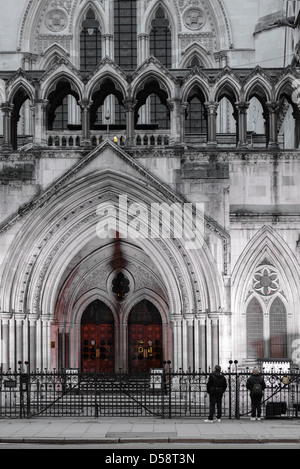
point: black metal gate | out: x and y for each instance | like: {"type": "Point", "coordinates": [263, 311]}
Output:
{"type": "Point", "coordinates": [155, 394]}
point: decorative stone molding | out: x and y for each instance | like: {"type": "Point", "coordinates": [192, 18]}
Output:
{"type": "Point", "coordinates": [194, 18]}
{"type": "Point", "coordinates": [46, 40]}
{"type": "Point", "coordinates": [56, 20]}
{"type": "Point", "coordinates": [206, 40]}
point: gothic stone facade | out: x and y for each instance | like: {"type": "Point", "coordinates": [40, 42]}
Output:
{"type": "Point", "coordinates": [108, 108]}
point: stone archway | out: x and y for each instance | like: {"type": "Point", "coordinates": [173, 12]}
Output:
{"type": "Point", "coordinates": [62, 264]}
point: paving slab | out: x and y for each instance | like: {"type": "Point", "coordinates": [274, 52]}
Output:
{"type": "Point", "coordinates": [67, 430]}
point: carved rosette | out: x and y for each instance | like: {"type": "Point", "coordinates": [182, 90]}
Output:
{"type": "Point", "coordinates": [56, 20]}
{"type": "Point", "coordinates": [194, 18]}
{"type": "Point", "coordinates": [266, 281]}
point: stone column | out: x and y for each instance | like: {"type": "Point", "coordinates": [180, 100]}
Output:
{"type": "Point", "coordinates": [19, 339]}
{"type": "Point", "coordinates": [124, 347]}
{"type": "Point", "coordinates": [184, 106]}
{"type": "Point", "coordinates": [75, 345]}
{"type": "Point", "coordinates": [108, 46]}
{"type": "Point", "coordinates": [296, 115]}
{"type": "Point", "coordinates": [46, 342]}
{"type": "Point", "coordinates": [176, 322]}
{"type": "Point", "coordinates": [32, 342]}
{"type": "Point", "coordinates": [211, 108]}
{"type": "Point", "coordinates": [174, 106]}
{"type": "Point", "coordinates": [214, 340]}
{"type": "Point", "coordinates": [142, 48]}
{"type": "Point", "coordinates": [273, 107]}
{"type": "Point", "coordinates": [40, 122]}
{"type": "Point", "coordinates": [5, 320]}
{"type": "Point", "coordinates": [190, 341]}
{"type": "Point", "coordinates": [117, 351]}
{"type": "Point", "coordinates": [129, 104]}
{"type": "Point", "coordinates": [85, 105]}
{"type": "Point", "coordinates": [242, 124]}
{"type": "Point", "coordinates": [7, 110]}
{"type": "Point", "coordinates": [200, 342]}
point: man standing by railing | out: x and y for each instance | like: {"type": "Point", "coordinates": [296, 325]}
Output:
{"type": "Point", "coordinates": [216, 386]}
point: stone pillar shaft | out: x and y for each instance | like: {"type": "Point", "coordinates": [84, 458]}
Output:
{"type": "Point", "coordinates": [242, 124]}
{"type": "Point", "coordinates": [7, 110]}
{"type": "Point", "coordinates": [211, 108]}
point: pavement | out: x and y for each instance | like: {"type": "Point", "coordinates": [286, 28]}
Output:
{"type": "Point", "coordinates": [63, 430]}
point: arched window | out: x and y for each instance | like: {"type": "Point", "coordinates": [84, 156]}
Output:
{"type": "Point", "coordinates": [125, 34]}
{"type": "Point", "coordinates": [195, 62]}
{"type": "Point", "coordinates": [196, 115]}
{"type": "Point", "coordinates": [160, 39]}
{"type": "Point", "coordinates": [278, 330]}
{"type": "Point", "coordinates": [255, 327]}
{"type": "Point", "coordinates": [153, 99]}
{"type": "Point", "coordinates": [90, 42]}
{"type": "Point", "coordinates": [196, 122]}
{"type": "Point", "coordinates": [266, 333]}
{"type": "Point", "coordinates": [62, 101]}
{"type": "Point", "coordinates": [21, 119]}
{"type": "Point", "coordinates": [159, 113]}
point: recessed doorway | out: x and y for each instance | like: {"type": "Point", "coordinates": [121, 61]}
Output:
{"type": "Point", "coordinates": [145, 338]}
{"type": "Point", "coordinates": [97, 338]}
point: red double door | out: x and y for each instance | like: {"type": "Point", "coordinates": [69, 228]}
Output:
{"type": "Point", "coordinates": [98, 342]}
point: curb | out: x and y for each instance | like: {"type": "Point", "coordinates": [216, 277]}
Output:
{"type": "Point", "coordinates": [82, 441]}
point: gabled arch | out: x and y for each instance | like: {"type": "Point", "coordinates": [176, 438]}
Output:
{"type": "Point", "coordinates": [63, 70]}
{"type": "Point", "coordinates": [196, 79]}
{"type": "Point", "coordinates": [227, 86]}
{"type": "Point", "coordinates": [106, 70]}
{"type": "Point", "coordinates": [53, 54]}
{"type": "Point", "coordinates": [75, 226]}
{"type": "Point", "coordinates": [195, 50]}
{"type": "Point", "coordinates": [267, 243]}
{"type": "Point", "coordinates": [17, 84]}
{"type": "Point", "coordinates": [259, 87]}
{"type": "Point", "coordinates": [152, 69]}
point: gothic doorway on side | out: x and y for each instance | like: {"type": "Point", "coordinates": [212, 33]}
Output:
{"type": "Point", "coordinates": [97, 338]}
{"type": "Point", "coordinates": [145, 338]}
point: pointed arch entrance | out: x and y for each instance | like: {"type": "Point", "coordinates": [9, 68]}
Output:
{"type": "Point", "coordinates": [145, 337]}
{"type": "Point", "coordinates": [97, 338]}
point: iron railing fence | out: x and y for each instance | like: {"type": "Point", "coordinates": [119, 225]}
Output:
{"type": "Point", "coordinates": [155, 394]}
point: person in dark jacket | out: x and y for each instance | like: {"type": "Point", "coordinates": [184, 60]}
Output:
{"type": "Point", "coordinates": [256, 385]}
{"type": "Point", "coordinates": [216, 386]}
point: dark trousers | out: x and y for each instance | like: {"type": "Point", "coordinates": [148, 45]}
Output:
{"type": "Point", "coordinates": [255, 406]}
{"type": "Point", "coordinates": [215, 399]}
